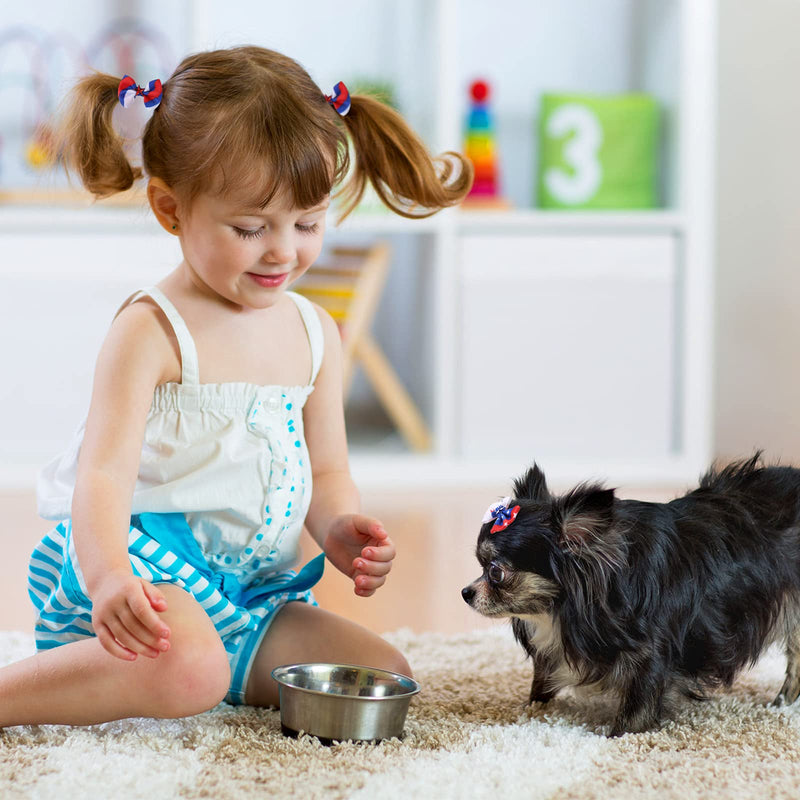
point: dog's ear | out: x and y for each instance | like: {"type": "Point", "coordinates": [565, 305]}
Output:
{"type": "Point", "coordinates": [532, 486]}
{"type": "Point", "coordinates": [585, 514]}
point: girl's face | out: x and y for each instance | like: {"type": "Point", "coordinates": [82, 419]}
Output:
{"type": "Point", "coordinates": [250, 256]}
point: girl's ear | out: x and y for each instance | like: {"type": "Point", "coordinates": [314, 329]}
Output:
{"type": "Point", "coordinates": [164, 204]}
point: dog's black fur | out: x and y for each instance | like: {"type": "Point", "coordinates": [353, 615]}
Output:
{"type": "Point", "coordinates": [639, 597]}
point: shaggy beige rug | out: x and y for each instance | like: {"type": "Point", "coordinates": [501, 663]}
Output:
{"type": "Point", "coordinates": [468, 735]}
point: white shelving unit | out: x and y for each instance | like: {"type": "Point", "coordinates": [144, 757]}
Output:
{"type": "Point", "coordinates": [656, 428]}
{"type": "Point", "coordinates": [642, 416]}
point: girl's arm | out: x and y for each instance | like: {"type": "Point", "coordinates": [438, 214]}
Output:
{"type": "Point", "coordinates": [133, 360]}
{"type": "Point", "coordinates": [357, 545]}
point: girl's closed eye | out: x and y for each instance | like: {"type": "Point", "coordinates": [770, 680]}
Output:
{"type": "Point", "coordinates": [246, 233]}
{"type": "Point", "coordinates": [256, 233]}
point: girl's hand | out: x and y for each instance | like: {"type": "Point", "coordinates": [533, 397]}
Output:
{"type": "Point", "coordinates": [125, 618]}
{"type": "Point", "coordinates": [359, 547]}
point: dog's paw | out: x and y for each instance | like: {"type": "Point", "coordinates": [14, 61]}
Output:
{"type": "Point", "coordinates": [623, 725]}
{"type": "Point", "coordinates": [789, 692]}
{"type": "Point", "coordinates": [541, 697]}
{"type": "Point", "coordinates": [780, 701]}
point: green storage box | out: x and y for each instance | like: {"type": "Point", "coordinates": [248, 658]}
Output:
{"type": "Point", "coordinates": [598, 151]}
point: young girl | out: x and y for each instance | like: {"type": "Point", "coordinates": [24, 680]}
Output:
{"type": "Point", "coordinates": [166, 588]}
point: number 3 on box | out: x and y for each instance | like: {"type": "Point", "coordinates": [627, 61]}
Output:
{"type": "Point", "coordinates": [580, 153]}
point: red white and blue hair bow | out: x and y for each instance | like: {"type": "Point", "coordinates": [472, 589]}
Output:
{"type": "Point", "coordinates": [340, 99]}
{"type": "Point", "coordinates": [502, 515]}
{"type": "Point", "coordinates": [128, 91]}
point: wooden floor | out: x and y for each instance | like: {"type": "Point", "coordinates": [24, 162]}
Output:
{"type": "Point", "coordinates": [434, 531]}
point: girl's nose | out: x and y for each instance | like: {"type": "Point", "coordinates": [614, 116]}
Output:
{"type": "Point", "coordinates": [280, 248]}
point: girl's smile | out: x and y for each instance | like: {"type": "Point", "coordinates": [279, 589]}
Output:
{"type": "Point", "coordinates": [269, 281]}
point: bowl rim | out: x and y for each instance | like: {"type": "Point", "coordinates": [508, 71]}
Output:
{"type": "Point", "coordinates": [277, 675]}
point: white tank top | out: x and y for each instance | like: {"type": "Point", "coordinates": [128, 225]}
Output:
{"type": "Point", "coordinates": [231, 457]}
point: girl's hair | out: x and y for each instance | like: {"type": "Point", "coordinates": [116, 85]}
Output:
{"type": "Point", "coordinates": [250, 121]}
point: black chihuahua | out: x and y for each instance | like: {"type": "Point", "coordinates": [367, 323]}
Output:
{"type": "Point", "coordinates": [640, 598]}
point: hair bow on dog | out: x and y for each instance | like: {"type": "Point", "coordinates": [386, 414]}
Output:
{"type": "Point", "coordinates": [340, 99]}
{"type": "Point", "coordinates": [128, 91]}
{"type": "Point", "coordinates": [502, 515]}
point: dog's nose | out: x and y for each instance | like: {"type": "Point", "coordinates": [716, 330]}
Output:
{"type": "Point", "coordinates": [468, 593]}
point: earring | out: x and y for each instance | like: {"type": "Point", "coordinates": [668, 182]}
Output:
{"type": "Point", "coordinates": [174, 227]}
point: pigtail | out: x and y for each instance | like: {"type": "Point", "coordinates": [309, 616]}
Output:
{"type": "Point", "coordinates": [89, 144]}
{"type": "Point", "coordinates": [398, 165]}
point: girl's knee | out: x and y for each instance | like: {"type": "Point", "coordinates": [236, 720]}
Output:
{"type": "Point", "coordinates": [192, 676]}
{"type": "Point", "coordinates": [401, 665]}
{"type": "Point", "coordinates": [393, 660]}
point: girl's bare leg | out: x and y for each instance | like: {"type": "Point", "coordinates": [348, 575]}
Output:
{"type": "Point", "coordinates": [301, 633]}
{"type": "Point", "coordinates": [81, 684]}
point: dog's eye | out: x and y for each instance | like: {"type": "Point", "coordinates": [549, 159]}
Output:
{"type": "Point", "coordinates": [495, 573]}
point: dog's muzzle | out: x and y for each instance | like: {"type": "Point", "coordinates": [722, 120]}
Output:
{"type": "Point", "coordinates": [468, 593]}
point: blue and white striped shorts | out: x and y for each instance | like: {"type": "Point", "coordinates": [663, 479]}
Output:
{"type": "Point", "coordinates": [162, 549]}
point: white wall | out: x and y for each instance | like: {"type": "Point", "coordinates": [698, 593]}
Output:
{"type": "Point", "coordinates": [757, 376]}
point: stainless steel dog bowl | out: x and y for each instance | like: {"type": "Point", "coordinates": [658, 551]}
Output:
{"type": "Point", "coordinates": [343, 701]}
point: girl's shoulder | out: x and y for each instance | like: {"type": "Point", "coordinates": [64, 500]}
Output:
{"type": "Point", "coordinates": [330, 329]}
{"type": "Point", "coordinates": [140, 331]}
{"type": "Point", "coordinates": [330, 333]}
